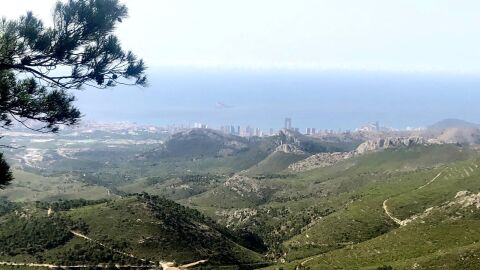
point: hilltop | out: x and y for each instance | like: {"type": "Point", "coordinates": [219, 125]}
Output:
{"type": "Point", "coordinates": [136, 230]}
{"type": "Point", "coordinates": [453, 123]}
{"type": "Point", "coordinates": [197, 143]}
{"type": "Point", "coordinates": [291, 200]}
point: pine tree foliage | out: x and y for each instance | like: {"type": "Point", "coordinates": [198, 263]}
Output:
{"type": "Point", "coordinates": [40, 64]}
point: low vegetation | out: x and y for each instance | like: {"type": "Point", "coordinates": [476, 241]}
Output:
{"type": "Point", "coordinates": [245, 208]}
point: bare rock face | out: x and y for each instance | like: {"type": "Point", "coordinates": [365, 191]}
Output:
{"type": "Point", "coordinates": [319, 161]}
{"type": "Point", "coordinates": [390, 143]}
{"type": "Point", "coordinates": [242, 184]}
{"type": "Point", "coordinates": [328, 159]}
{"type": "Point", "coordinates": [290, 148]}
{"type": "Point", "coordinates": [237, 216]}
{"type": "Point", "coordinates": [466, 199]}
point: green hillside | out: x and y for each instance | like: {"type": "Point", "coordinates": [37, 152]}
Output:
{"type": "Point", "coordinates": [359, 233]}
{"type": "Point", "coordinates": [334, 208]}
{"type": "Point", "coordinates": [34, 187]}
{"type": "Point", "coordinates": [137, 230]}
{"type": "Point", "coordinates": [238, 204]}
{"type": "Point", "coordinates": [275, 163]}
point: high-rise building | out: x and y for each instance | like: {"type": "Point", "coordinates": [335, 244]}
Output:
{"type": "Point", "coordinates": [288, 123]}
{"type": "Point", "coordinates": [200, 125]}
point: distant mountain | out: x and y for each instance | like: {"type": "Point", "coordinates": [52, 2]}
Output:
{"type": "Point", "coordinates": [460, 135]}
{"type": "Point", "coordinates": [292, 141]}
{"type": "Point", "coordinates": [204, 142]}
{"type": "Point", "coordinates": [404, 203]}
{"type": "Point", "coordinates": [453, 123]}
{"type": "Point", "coordinates": [206, 150]}
{"type": "Point", "coordinates": [455, 131]}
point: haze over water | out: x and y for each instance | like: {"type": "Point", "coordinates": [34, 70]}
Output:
{"type": "Point", "coordinates": [212, 55]}
{"type": "Point", "coordinates": [263, 98]}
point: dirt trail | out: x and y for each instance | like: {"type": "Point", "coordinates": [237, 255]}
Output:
{"type": "Point", "coordinates": [431, 181]}
{"type": "Point", "coordinates": [309, 259]}
{"type": "Point", "coordinates": [193, 264]}
{"type": "Point", "coordinates": [165, 265]}
{"type": "Point", "coordinates": [105, 246]}
{"type": "Point", "coordinates": [83, 266]}
{"type": "Point", "coordinates": [390, 215]}
{"type": "Point", "coordinates": [406, 221]}
{"type": "Point", "coordinates": [186, 266]}
{"type": "Point", "coordinates": [53, 266]}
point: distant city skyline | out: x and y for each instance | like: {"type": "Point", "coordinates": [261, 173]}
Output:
{"type": "Point", "coordinates": [264, 99]}
{"type": "Point", "coordinates": [331, 64]}
{"type": "Point", "coordinates": [245, 131]}
{"type": "Point", "coordinates": [237, 130]}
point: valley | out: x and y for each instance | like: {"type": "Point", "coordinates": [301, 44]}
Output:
{"type": "Point", "coordinates": [247, 135]}
{"type": "Point", "coordinates": [203, 199]}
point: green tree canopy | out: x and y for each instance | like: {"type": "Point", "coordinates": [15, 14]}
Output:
{"type": "Point", "coordinates": [39, 64]}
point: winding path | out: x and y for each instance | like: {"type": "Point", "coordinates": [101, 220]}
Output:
{"type": "Point", "coordinates": [54, 266]}
{"type": "Point", "coordinates": [165, 265]}
{"type": "Point", "coordinates": [406, 221]}
{"type": "Point", "coordinates": [83, 266]}
{"type": "Point", "coordinates": [80, 235]}
{"type": "Point", "coordinates": [390, 215]}
{"type": "Point", "coordinates": [397, 220]}
{"type": "Point", "coordinates": [431, 181]}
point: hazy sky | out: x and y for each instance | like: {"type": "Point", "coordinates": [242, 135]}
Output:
{"type": "Point", "coordinates": [405, 35]}
{"type": "Point", "coordinates": [326, 63]}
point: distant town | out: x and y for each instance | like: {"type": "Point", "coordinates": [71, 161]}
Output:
{"type": "Point", "coordinates": [249, 131]}
{"type": "Point", "coordinates": [231, 129]}
{"type": "Point", "coordinates": [130, 128]}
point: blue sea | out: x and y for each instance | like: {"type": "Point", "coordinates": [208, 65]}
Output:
{"type": "Point", "coordinates": [259, 98]}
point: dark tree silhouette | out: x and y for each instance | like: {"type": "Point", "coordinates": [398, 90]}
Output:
{"type": "Point", "coordinates": [5, 174]}
{"type": "Point", "coordinates": [39, 64]}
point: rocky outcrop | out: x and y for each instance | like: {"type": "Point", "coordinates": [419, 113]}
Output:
{"type": "Point", "coordinates": [250, 189]}
{"type": "Point", "coordinates": [242, 185]}
{"type": "Point", "coordinates": [328, 159]}
{"type": "Point", "coordinates": [390, 143]}
{"type": "Point", "coordinates": [289, 137]}
{"type": "Point", "coordinates": [466, 198]}
{"type": "Point", "coordinates": [236, 217]}
{"type": "Point", "coordinates": [290, 148]}
{"type": "Point", "coordinates": [320, 160]}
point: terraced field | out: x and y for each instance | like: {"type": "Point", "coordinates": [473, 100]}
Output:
{"type": "Point", "coordinates": [426, 218]}
{"type": "Point", "coordinates": [407, 207]}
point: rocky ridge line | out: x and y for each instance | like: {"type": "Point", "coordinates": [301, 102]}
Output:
{"type": "Point", "coordinates": [328, 159]}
